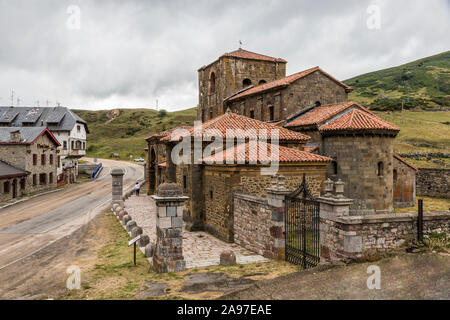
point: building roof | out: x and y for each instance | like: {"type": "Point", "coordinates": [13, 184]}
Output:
{"type": "Point", "coordinates": [284, 82]}
{"type": "Point", "coordinates": [7, 171]}
{"type": "Point", "coordinates": [166, 133]}
{"type": "Point", "coordinates": [28, 135]}
{"type": "Point", "coordinates": [245, 54]}
{"type": "Point", "coordinates": [357, 120]}
{"type": "Point", "coordinates": [318, 115]}
{"type": "Point", "coordinates": [405, 162]}
{"type": "Point", "coordinates": [251, 153]}
{"type": "Point", "coordinates": [54, 118]}
{"type": "Point", "coordinates": [243, 128]}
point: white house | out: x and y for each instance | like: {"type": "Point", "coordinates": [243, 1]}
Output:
{"type": "Point", "coordinates": [68, 128]}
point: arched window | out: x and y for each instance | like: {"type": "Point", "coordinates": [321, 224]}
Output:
{"type": "Point", "coordinates": [246, 83]}
{"type": "Point", "coordinates": [335, 167]}
{"type": "Point", "coordinates": [212, 82]}
{"type": "Point", "coordinates": [380, 168]}
{"type": "Point", "coordinates": [318, 104]}
{"type": "Point", "coordinates": [395, 176]}
{"type": "Point", "coordinates": [262, 82]}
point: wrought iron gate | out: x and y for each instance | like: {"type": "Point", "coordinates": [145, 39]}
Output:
{"type": "Point", "coordinates": [302, 228]}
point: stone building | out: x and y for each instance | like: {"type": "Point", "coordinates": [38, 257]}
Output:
{"type": "Point", "coordinates": [404, 180]}
{"type": "Point", "coordinates": [245, 90]}
{"type": "Point", "coordinates": [210, 181]}
{"type": "Point", "coordinates": [32, 150]}
{"type": "Point", "coordinates": [10, 178]}
{"type": "Point", "coordinates": [68, 128]}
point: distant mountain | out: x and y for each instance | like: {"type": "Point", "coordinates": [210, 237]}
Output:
{"type": "Point", "coordinates": [423, 83]}
{"type": "Point", "coordinates": [123, 131]}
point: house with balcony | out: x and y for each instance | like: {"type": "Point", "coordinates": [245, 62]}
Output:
{"type": "Point", "coordinates": [68, 128]}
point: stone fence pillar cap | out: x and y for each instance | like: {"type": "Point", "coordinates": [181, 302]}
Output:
{"type": "Point", "coordinates": [117, 172]}
{"type": "Point", "coordinates": [169, 189]}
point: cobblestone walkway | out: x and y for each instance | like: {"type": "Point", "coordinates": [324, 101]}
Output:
{"type": "Point", "coordinates": [200, 249]}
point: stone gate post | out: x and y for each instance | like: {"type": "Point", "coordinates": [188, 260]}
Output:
{"type": "Point", "coordinates": [117, 186]}
{"type": "Point", "coordinates": [276, 195]}
{"type": "Point", "coordinates": [332, 208]}
{"type": "Point", "coordinates": [168, 255]}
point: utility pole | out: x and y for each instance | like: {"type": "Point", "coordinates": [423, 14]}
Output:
{"type": "Point", "coordinates": [12, 98]}
{"type": "Point", "coordinates": [156, 104]}
{"type": "Point", "coordinates": [18, 101]}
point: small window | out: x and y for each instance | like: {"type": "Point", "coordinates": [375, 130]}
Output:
{"type": "Point", "coordinates": [318, 104]}
{"type": "Point", "coordinates": [252, 114]}
{"type": "Point", "coordinates": [43, 178]}
{"type": "Point", "coordinates": [395, 176]}
{"type": "Point", "coordinates": [203, 116]}
{"type": "Point", "coordinates": [22, 184]}
{"type": "Point", "coordinates": [72, 145]}
{"type": "Point", "coordinates": [34, 159]}
{"type": "Point", "coordinates": [6, 186]}
{"type": "Point", "coordinates": [184, 182]}
{"type": "Point", "coordinates": [50, 177]}
{"type": "Point", "coordinates": [246, 83]}
{"type": "Point", "coordinates": [43, 159]}
{"type": "Point", "coordinates": [380, 168]}
{"type": "Point", "coordinates": [262, 82]}
{"type": "Point", "coordinates": [34, 179]}
{"type": "Point", "coordinates": [210, 114]}
{"type": "Point", "coordinates": [59, 161]}
{"type": "Point", "coordinates": [50, 159]}
{"type": "Point", "coordinates": [212, 83]}
{"type": "Point", "coordinates": [211, 194]}
{"type": "Point", "coordinates": [65, 145]}
{"type": "Point", "coordinates": [79, 128]}
{"type": "Point", "coordinates": [335, 167]}
{"type": "Point", "coordinates": [271, 113]}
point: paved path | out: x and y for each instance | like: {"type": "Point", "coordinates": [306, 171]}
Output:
{"type": "Point", "coordinates": [31, 225]}
{"type": "Point", "coordinates": [406, 276]}
{"type": "Point", "coordinates": [200, 249]}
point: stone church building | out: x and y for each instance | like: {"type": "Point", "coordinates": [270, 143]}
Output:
{"type": "Point", "coordinates": [322, 134]}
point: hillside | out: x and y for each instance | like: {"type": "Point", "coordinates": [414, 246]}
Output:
{"type": "Point", "coordinates": [423, 83]}
{"type": "Point", "coordinates": [123, 131]}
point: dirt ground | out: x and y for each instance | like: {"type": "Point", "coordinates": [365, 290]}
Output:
{"type": "Point", "coordinates": [100, 250]}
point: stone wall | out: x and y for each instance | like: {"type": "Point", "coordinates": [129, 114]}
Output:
{"type": "Point", "coordinates": [290, 100]}
{"type": "Point", "coordinates": [357, 160]}
{"type": "Point", "coordinates": [7, 196]}
{"type": "Point", "coordinates": [404, 180]}
{"type": "Point", "coordinates": [229, 75]}
{"type": "Point", "coordinates": [433, 182]}
{"type": "Point", "coordinates": [354, 237]}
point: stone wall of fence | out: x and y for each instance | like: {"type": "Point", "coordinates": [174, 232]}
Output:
{"type": "Point", "coordinates": [433, 182]}
{"type": "Point", "coordinates": [353, 237]}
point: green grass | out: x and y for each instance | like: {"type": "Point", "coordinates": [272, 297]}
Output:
{"type": "Point", "coordinates": [124, 133]}
{"type": "Point", "coordinates": [414, 84]}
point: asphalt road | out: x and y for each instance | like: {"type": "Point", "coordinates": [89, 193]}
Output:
{"type": "Point", "coordinates": [29, 226]}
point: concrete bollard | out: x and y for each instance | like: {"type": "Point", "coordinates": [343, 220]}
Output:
{"type": "Point", "coordinates": [121, 214]}
{"type": "Point", "coordinates": [143, 241]}
{"type": "Point", "coordinates": [227, 258]}
{"type": "Point", "coordinates": [126, 219]}
{"type": "Point", "coordinates": [135, 232]}
{"type": "Point", "coordinates": [130, 225]}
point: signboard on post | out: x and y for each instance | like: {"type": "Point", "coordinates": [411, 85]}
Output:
{"type": "Point", "coordinates": [133, 241]}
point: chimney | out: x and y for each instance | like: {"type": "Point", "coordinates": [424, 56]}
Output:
{"type": "Point", "coordinates": [15, 136]}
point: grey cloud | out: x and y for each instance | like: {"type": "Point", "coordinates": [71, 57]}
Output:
{"type": "Point", "coordinates": [130, 53]}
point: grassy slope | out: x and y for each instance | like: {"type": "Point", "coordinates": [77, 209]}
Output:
{"type": "Point", "coordinates": [392, 84]}
{"type": "Point", "coordinates": [126, 132]}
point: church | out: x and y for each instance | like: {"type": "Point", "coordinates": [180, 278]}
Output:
{"type": "Point", "coordinates": [322, 135]}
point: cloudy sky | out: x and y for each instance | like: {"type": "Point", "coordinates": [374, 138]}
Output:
{"type": "Point", "coordinates": [109, 54]}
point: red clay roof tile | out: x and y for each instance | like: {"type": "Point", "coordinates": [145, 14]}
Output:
{"type": "Point", "coordinates": [244, 54]}
{"type": "Point", "coordinates": [320, 114]}
{"type": "Point", "coordinates": [241, 125]}
{"type": "Point", "coordinates": [357, 119]}
{"type": "Point", "coordinates": [247, 153]}
{"type": "Point", "coordinates": [405, 162]}
{"type": "Point", "coordinates": [283, 82]}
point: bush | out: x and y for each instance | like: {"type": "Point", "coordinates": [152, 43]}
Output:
{"type": "Point", "coordinates": [162, 113]}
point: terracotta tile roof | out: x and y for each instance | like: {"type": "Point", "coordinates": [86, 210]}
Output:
{"type": "Point", "coordinates": [320, 114]}
{"type": "Point", "coordinates": [244, 54]}
{"type": "Point", "coordinates": [311, 148]}
{"type": "Point", "coordinates": [245, 153]}
{"type": "Point", "coordinates": [283, 83]}
{"type": "Point", "coordinates": [357, 119]}
{"type": "Point", "coordinates": [165, 133]}
{"type": "Point", "coordinates": [405, 162]}
{"type": "Point", "coordinates": [228, 122]}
